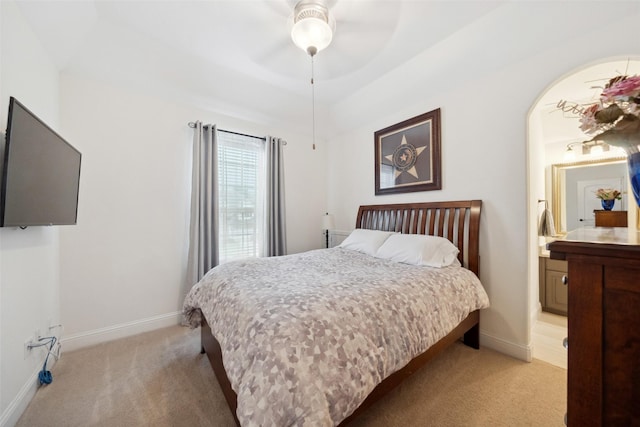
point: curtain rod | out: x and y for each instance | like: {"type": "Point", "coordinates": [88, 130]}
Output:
{"type": "Point", "coordinates": [193, 125]}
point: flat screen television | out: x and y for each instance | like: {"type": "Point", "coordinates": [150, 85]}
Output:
{"type": "Point", "coordinates": [40, 173]}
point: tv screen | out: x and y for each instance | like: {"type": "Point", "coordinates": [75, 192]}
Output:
{"type": "Point", "coordinates": [40, 173]}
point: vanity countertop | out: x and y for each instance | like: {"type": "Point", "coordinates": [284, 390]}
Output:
{"type": "Point", "coordinates": [542, 247]}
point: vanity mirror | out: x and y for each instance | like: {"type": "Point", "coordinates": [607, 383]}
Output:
{"type": "Point", "coordinates": [573, 186]}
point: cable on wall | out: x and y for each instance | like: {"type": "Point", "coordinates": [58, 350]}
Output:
{"type": "Point", "coordinates": [45, 376]}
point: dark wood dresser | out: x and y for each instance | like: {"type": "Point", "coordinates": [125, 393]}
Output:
{"type": "Point", "coordinates": [603, 378]}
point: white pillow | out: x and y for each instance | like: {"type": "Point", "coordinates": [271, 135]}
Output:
{"type": "Point", "coordinates": [367, 241]}
{"type": "Point", "coordinates": [418, 249]}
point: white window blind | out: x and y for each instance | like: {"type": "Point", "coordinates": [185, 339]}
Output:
{"type": "Point", "coordinates": [241, 196]}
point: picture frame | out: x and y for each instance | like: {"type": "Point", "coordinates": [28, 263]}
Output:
{"type": "Point", "coordinates": [407, 155]}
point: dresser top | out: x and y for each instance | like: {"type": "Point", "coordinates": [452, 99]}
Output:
{"type": "Point", "coordinates": [615, 235]}
{"type": "Point", "coordinates": [599, 241]}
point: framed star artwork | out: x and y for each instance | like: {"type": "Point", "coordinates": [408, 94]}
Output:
{"type": "Point", "coordinates": [407, 155]}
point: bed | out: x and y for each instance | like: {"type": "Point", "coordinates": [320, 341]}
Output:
{"type": "Point", "coordinates": [292, 346]}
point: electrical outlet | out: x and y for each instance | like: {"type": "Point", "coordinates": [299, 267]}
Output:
{"type": "Point", "coordinates": [27, 349]}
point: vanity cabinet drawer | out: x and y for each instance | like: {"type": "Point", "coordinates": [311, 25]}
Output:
{"type": "Point", "coordinates": [556, 265]}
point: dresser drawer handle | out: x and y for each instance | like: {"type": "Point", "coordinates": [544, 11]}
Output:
{"type": "Point", "coordinates": [565, 280]}
{"type": "Point", "coordinates": [565, 342]}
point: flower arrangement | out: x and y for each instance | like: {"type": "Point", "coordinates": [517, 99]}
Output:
{"type": "Point", "coordinates": [608, 194]}
{"type": "Point", "coordinates": [615, 118]}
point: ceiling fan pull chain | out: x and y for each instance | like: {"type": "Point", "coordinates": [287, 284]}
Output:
{"type": "Point", "coordinates": [313, 105]}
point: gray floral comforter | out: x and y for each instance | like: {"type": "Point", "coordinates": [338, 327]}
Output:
{"type": "Point", "coordinates": [306, 337]}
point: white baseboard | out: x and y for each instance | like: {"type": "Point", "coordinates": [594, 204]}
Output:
{"type": "Point", "coordinates": [98, 336]}
{"type": "Point", "coordinates": [521, 352]}
{"type": "Point", "coordinates": [16, 407]}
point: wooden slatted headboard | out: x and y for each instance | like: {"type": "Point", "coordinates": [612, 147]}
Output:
{"type": "Point", "coordinates": [458, 221]}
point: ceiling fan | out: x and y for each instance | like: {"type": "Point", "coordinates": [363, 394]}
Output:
{"type": "Point", "coordinates": [359, 29]}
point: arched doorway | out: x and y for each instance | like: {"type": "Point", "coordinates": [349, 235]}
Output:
{"type": "Point", "coordinates": [552, 126]}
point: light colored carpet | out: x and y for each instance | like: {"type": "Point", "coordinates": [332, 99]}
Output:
{"type": "Point", "coordinates": [161, 379]}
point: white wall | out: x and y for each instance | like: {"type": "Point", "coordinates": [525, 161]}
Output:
{"type": "Point", "coordinates": [123, 265]}
{"type": "Point", "coordinates": [29, 294]}
{"type": "Point", "coordinates": [485, 79]}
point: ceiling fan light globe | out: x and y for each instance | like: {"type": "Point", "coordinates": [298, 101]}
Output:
{"type": "Point", "coordinates": [596, 149]}
{"type": "Point", "coordinates": [311, 32]}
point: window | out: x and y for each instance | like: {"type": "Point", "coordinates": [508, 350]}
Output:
{"type": "Point", "coordinates": [241, 196]}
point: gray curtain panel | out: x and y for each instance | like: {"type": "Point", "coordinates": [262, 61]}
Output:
{"type": "Point", "coordinates": [203, 239]}
{"type": "Point", "coordinates": [275, 228]}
